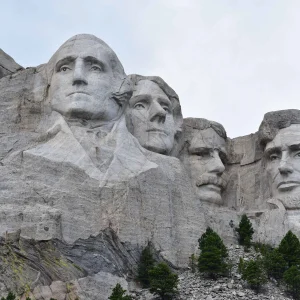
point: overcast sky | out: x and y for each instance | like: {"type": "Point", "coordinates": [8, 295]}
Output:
{"type": "Point", "coordinates": [230, 61]}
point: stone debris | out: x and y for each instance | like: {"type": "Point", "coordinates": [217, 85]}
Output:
{"type": "Point", "coordinates": [193, 286]}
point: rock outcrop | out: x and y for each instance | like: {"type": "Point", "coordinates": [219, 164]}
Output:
{"type": "Point", "coordinates": [96, 164]}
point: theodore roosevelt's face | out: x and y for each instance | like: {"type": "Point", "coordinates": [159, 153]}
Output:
{"type": "Point", "coordinates": [282, 156]}
{"type": "Point", "coordinates": [82, 80]}
{"type": "Point", "coordinates": [150, 118]}
{"type": "Point", "coordinates": [207, 153]}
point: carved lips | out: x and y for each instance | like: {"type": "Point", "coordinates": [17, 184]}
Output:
{"type": "Point", "coordinates": [157, 130]}
{"type": "Point", "coordinates": [287, 185]}
{"type": "Point", "coordinates": [78, 92]}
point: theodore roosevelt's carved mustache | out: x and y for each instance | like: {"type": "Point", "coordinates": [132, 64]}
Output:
{"type": "Point", "coordinates": [206, 179]}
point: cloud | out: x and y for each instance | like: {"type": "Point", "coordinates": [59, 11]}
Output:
{"type": "Point", "coordinates": [229, 61]}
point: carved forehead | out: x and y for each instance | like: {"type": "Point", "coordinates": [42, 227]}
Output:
{"type": "Point", "coordinates": [148, 87]}
{"type": "Point", "coordinates": [285, 137]}
{"type": "Point", "coordinates": [87, 46]}
{"type": "Point", "coordinates": [206, 138]}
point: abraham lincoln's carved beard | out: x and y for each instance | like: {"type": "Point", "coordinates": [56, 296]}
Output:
{"type": "Point", "coordinates": [290, 202]}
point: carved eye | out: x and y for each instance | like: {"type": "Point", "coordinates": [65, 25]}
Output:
{"type": "Point", "coordinates": [139, 106]}
{"type": "Point", "coordinates": [96, 68]}
{"type": "Point", "coordinates": [274, 156]}
{"type": "Point", "coordinates": [64, 68]}
{"type": "Point", "coordinates": [202, 154]}
{"type": "Point", "coordinates": [166, 108]}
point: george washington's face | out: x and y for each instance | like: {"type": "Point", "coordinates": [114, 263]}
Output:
{"type": "Point", "coordinates": [207, 153]}
{"type": "Point", "coordinates": [81, 84]}
{"type": "Point", "coordinates": [150, 118]}
{"type": "Point", "coordinates": [283, 166]}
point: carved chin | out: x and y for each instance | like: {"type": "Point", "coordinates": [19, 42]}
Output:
{"type": "Point", "coordinates": [158, 146]}
{"type": "Point", "coordinates": [290, 202]}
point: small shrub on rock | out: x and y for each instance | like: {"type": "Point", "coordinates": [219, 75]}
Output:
{"type": "Point", "coordinates": [118, 293]}
{"type": "Point", "coordinates": [253, 273]}
{"type": "Point", "coordinates": [10, 296]}
{"type": "Point", "coordinates": [163, 282]}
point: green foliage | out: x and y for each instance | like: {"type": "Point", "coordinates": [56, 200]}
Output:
{"type": "Point", "coordinates": [245, 231]}
{"type": "Point", "coordinates": [213, 253]}
{"type": "Point", "coordinates": [241, 265]}
{"type": "Point", "coordinates": [264, 249]}
{"type": "Point", "coordinates": [290, 249]}
{"type": "Point", "coordinates": [275, 264]}
{"type": "Point", "coordinates": [193, 262]}
{"type": "Point", "coordinates": [10, 296]}
{"type": "Point", "coordinates": [145, 264]}
{"type": "Point", "coordinates": [211, 262]}
{"type": "Point", "coordinates": [292, 280]}
{"type": "Point", "coordinates": [209, 238]}
{"type": "Point", "coordinates": [163, 282]}
{"type": "Point", "coordinates": [253, 273]}
{"type": "Point", "coordinates": [118, 292]}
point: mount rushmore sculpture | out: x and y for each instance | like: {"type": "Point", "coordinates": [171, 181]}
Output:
{"type": "Point", "coordinates": [96, 164]}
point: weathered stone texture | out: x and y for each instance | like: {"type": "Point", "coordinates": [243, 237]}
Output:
{"type": "Point", "coordinates": [95, 165]}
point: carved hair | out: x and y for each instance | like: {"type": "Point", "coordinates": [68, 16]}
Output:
{"type": "Point", "coordinates": [274, 121]}
{"type": "Point", "coordinates": [171, 94]}
{"type": "Point", "coordinates": [117, 68]}
{"type": "Point", "coordinates": [202, 124]}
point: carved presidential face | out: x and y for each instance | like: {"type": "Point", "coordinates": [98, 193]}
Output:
{"type": "Point", "coordinates": [150, 119]}
{"type": "Point", "coordinates": [283, 166]}
{"type": "Point", "coordinates": [82, 81]}
{"type": "Point", "coordinates": [205, 161]}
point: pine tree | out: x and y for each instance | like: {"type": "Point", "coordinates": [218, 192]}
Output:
{"type": "Point", "coordinates": [213, 253]}
{"type": "Point", "coordinates": [292, 280]}
{"type": "Point", "coordinates": [209, 238]}
{"type": "Point", "coordinates": [211, 262]}
{"type": "Point", "coordinates": [163, 282]}
{"type": "Point", "coordinates": [145, 264]}
{"type": "Point", "coordinates": [253, 273]}
{"type": "Point", "coordinates": [289, 247]}
{"type": "Point", "coordinates": [275, 264]}
{"type": "Point", "coordinates": [118, 292]}
{"type": "Point", "coordinates": [245, 231]}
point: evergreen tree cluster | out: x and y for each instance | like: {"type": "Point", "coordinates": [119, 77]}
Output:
{"type": "Point", "coordinates": [281, 263]}
{"type": "Point", "coordinates": [158, 277]}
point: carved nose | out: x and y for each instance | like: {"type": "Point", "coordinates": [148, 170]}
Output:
{"type": "Point", "coordinates": [79, 74]}
{"type": "Point", "coordinates": [157, 113]}
{"type": "Point", "coordinates": [285, 167]}
{"type": "Point", "coordinates": [216, 165]}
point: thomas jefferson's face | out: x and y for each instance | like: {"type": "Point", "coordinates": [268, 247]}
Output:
{"type": "Point", "coordinates": [207, 153]}
{"type": "Point", "coordinates": [149, 117]}
{"type": "Point", "coordinates": [82, 80]}
{"type": "Point", "coordinates": [283, 166]}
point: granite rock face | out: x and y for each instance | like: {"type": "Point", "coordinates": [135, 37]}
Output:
{"type": "Point", "coordinates": [7, 64]}
{"type": "Point", "coordinates": [96, 164]}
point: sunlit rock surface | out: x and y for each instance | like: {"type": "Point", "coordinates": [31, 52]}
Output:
{"type": "Point", "coordinates": [96, 164]}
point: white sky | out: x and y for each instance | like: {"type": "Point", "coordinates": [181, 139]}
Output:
{"type": "Point", "coordinates": [230, 61]}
